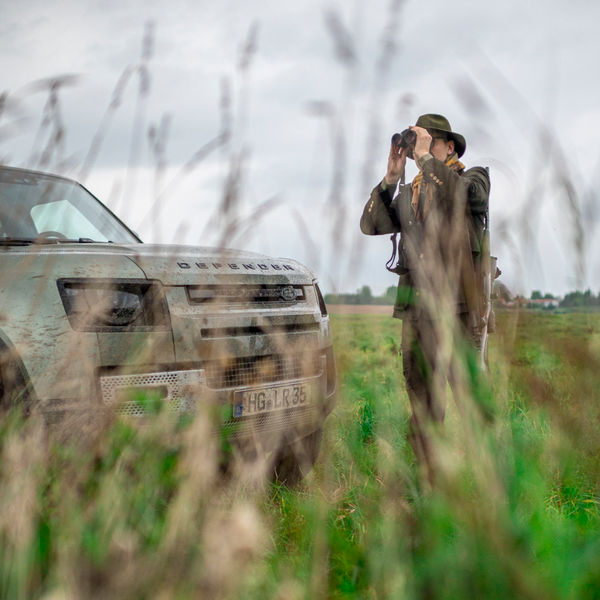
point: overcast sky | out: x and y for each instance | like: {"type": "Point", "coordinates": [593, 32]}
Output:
{"type": "Point", "coordinates": [298, 101]}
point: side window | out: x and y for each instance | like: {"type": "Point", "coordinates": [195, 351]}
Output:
{"type": "Point", "coordinates": [63, 217]}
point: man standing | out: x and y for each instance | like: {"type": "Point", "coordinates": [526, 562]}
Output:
{"type": "Point", "coordinates": [441, 218]}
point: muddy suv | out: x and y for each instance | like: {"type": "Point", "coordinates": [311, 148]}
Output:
{"type": "Point", "coordinates": [91, 317]}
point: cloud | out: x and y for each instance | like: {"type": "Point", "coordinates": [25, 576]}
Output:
{"type": "Point", "coordinates": [517, 62]}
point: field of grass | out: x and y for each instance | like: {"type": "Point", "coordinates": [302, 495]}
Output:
{"type": "Point", "coordinates": [130, 512]}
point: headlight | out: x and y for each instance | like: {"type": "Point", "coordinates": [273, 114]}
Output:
{"type": "Point", "coordinates": [113, 305]}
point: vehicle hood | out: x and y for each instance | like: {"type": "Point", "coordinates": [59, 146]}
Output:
{"type": "Point", "coordinates": [175, 264]}
{"type": "Point", "coordinates": [178, 265]}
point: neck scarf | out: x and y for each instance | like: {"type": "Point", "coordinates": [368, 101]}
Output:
{"type": "Point", "coordinates": [421, 209]}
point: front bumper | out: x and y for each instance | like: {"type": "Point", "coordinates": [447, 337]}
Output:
{"type": "Point", "coordinates": [216, 384]}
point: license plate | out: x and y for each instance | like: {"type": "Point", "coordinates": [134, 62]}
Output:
{"type": "Point", "coordinates": [264, 400]}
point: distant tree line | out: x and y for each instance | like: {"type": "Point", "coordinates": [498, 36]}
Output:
{"type": "Point", "coordinates": [575, 299]}
{"type": "Point", "coordinates": [580, 299]}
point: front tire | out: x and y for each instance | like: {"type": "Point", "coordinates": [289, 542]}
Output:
{"type": "Point", "coordinates": [295, 461]}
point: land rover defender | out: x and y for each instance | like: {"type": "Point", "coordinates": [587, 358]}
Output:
{"type": "Point", "coordinates": [92, 317]}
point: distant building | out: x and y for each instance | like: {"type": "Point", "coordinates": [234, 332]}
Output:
{"type": "Point", "coordinates": [520, 302]}
{"type": "Point", "coordinates": [543, 302]}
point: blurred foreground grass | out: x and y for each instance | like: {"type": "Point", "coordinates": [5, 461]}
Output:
{"type": "Point", "coordinates": [142, 512]}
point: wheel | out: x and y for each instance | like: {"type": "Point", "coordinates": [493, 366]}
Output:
{"type": "Point", "coordinates": [295, 461]}
{"type": "Point", "coordinates": [13, 389]}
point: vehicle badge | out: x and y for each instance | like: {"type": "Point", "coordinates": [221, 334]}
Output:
{"type": "Point", "coordinates": [288, 293]}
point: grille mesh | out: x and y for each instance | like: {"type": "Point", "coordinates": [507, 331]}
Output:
{"type": "Point", "coordinates": [246, 371]}
{"type": "Point", "coordinates": [176, 383]}
{"type": "Point", "coordinates": [178, 389]}
{"type": "Point", "coordinates": [299, 418]}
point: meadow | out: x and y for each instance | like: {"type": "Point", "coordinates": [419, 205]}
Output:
{"type": "Point", "coordinates": [118, 510]}
{"type": "Point", "coordinates": [134, 512]}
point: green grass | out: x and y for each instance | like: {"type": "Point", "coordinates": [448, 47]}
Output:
{"type": "Point", "coordinates": [137, 512]}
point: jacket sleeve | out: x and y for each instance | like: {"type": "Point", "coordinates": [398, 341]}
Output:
{"type": "Point", "coordinates": [379, 215]}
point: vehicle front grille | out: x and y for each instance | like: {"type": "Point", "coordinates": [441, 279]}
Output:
{"type": "Point", "coordinates": [222, 332]}
{"type": "Point", "coordinates": [244, 371]}
{"type": "Point", "coordinates": [266, 295]}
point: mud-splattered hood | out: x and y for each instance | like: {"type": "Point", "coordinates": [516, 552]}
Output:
{"type": "Point", "coordinates": [174, 264]}
{"type": "Point", "coordinates": [177, 265]}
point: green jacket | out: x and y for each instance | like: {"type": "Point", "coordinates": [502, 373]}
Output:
{"type": "Point", "coordinates": [428, 251]}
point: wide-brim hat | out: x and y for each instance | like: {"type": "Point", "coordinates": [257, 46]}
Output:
{"type": "Point", "coordinates": [434, 123]}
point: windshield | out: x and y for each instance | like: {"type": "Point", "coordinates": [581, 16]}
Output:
{"type": "Point", "coordinates": [34, 206]}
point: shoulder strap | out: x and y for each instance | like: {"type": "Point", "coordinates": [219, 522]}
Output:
{"type": "Point", "coordinates": [399, 267]}
{"type": "Point", "coordinates": [389, 265]}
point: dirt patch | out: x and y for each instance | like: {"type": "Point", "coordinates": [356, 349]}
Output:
{"type": "Point", "coordinates": [360, 309]}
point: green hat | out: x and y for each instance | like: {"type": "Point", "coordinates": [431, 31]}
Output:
{"type": "Point", "coordinates": [440, 123]}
